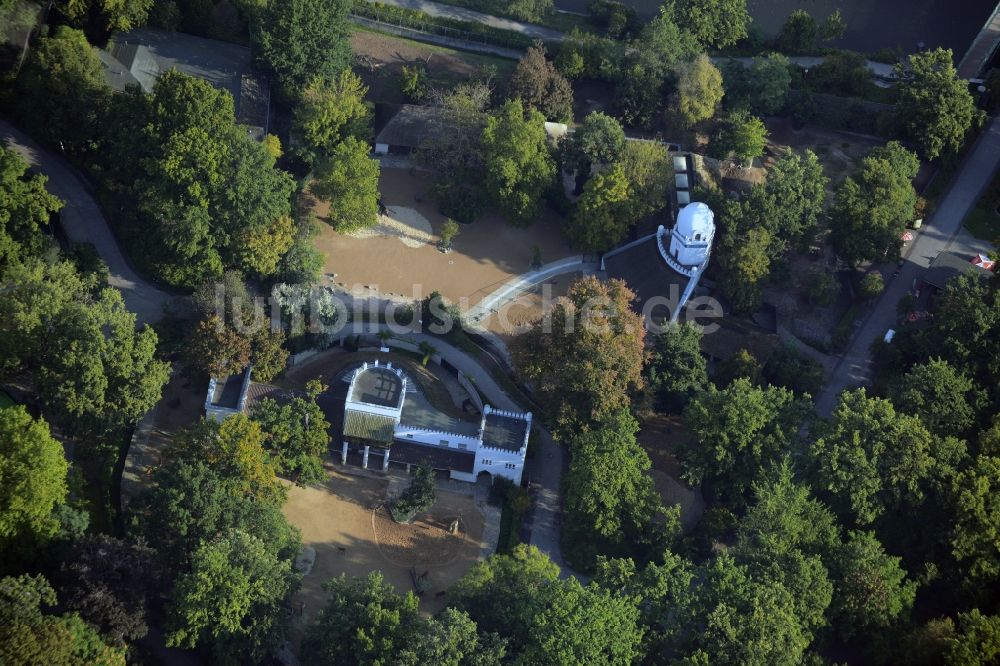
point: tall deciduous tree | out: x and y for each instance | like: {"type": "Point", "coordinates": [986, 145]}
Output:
{"type": "Point", "coordinates": [519, 164]}
{"type": "Point", "coordinates": [785, 537]}
{"type": "Point", "coordinates": [610, 499]}
{"type": "Point", "coordinates": [348, 179]}
{"type": "Point", "coordinates": [975, 541]}
{"type": "Point", "coordinates": [61, 90]}
{"type": "Point", "coordinates": [29, 636]}
{"type": "Point", "coordinates": [716, 23]}
{"type": "Point", "coordinates": [538, 84]}
{"type": "Point", "coordinates": [648, 170]}
{"type": "Point", "coordinates": [741, 136]}
{"type": "Point", "coordinates": [945, 399]}
{"type": "Point", "coordinates": [599, 140]}
{"type": "Point", "coordinates": [874, 206]}
{"type": "Point", "coordinates": [233, 595]}
{"type": "Point", "coordinates": [790, 204]}
{"type": "Point", "coordinates": [872, 592]}
{"type": "Point", "coordinates": [191, 502]}
{"type": "Point", "coordinates": [746, 261]}
{"type": "Point", "coordinates": [25, 207]}
{"type": "Point", "coordinates": [110, 582]}
{"type": "Point", "coordinates": [762, 87]}
{"type": "Point", "coordinates": [676, 369]}
{"type": "Point", "coordinates": [934, 105]}
{"type": "Point", "coordinates": [699, 90]}
{"type": "Point", "coordinates": [601, 218]}
{"type": "Point", "coordinates": [330, 111]}
{"type": "Point", "coordinates": [113, 14]}
{"type": "Point", "coordinates": [585, 359]}
{"type": "Point", "coordinates": [737, 431]}
{"type": "Point", "coordinates": [520, 596]}
{"type": "Point", "coordinates": [298, 40]}
{"type": "Point", "coordinates": [33, 473]}
{"type": "Point", "coordinates": [235, 449]}
{"type": "Point", "coordinates": [869, 458]}
{"type": "Point", "coordinates": [297, 434]}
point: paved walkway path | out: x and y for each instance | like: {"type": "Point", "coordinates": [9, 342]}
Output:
{"type": "Point", "coordinates": [513, 288]}
{"type": "Point", "coordinates": [939, 233]}
{"type": "Point", "coordinates": [84, 222]}
{"type": "Point", "coordinates": [463, 14]}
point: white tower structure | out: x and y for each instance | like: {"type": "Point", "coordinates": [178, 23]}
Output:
{"type": "Point", "coordinates": [689, 248]}
{"type": "Point", "coordinates": [691, 238]}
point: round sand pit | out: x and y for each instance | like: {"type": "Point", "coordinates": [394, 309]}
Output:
{"type": "Point", "coordinates": [426, 542]}
{"type": "Point", "coordinates": [407, 224]}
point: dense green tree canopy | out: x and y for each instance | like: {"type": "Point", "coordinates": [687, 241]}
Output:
{"type": "Point", "coordinates": [519, 163]}
{"type": "Point", "coordinates": [112, 14]}
{"type": "Point", "coordinates": [330, 111]}
{"type": "Point", "coordinates": [348, 179]}
{"type": "Point", "coordinates": [676, 369]}
{"type": "Point", "coordinates": [587, 364]}
{"type": "Point", "coordinates": [737, 431]}
{"type": "Point", "coordinates": [296, 433]}
{"type": "Point", "coordinates": [740, 136]}
{"type": "Point", "coordinates": [539, 85]}
{"type": "Point", "coordinates": [648, 171]}
{"type": "Point", "coordinates": [299, 40]}
{"type": "Point", "coordinates": [975, 539]}
{"type": "Point", "coordinates": [25, 207]}
{"type": "Point", "coordinates": [93, 370]}
{"type": "Point", "coordinates": [548, 620]}
{"type": "Point", "coordinates": [61, 90]}
{"type": "Point", "coordinates": [601, 218]}
{"type": "Point", "coordinates": [715, 23]}
{"type": "Point", "coordinates": [235, 449]}
{"type": "Point", "coordinates": [32, 477]}
{"type": "Point", "coordinates": [236, 589]}
{"type": "Point", "coordinates": [944, 398]}
{"type": "Point", "coordinates": [699, 90]}
{"type": "Point", "coordinates": [31, 637]}
{"type": "Point", "coordinates": [762, 87]}
{"type": "Point", "coordinates": [874, 205]}
{"type": "Point", "coordinates": [110, 582]}
{"type": "Point", "coordinates": [191, 502]}
{"type": "Point", "coordinates": [598, 140]}
{"type": "Point", "coordinates": [871, 459]}
{"type": "Point", "coordinates": [365, 622]}
{"type": "Point", "coordinates": [935, 106]}
{"type": "Point", "coordinates": [872, 592]}
{"type": "Point", "coordinates": [789, 204]}
{"type": "Point", "coordinates": [608, 491]}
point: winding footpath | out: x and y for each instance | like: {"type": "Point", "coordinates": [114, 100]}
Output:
{"type": "Point", "coordinates": [84, 222]}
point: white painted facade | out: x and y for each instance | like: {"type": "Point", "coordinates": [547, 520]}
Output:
{"type": "Point", "coordinates": [498, 461]}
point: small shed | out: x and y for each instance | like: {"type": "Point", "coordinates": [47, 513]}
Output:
{"type": "Point", "coordinates": [947, 266]}
{"type": "Point", "coordinates": [410, 128]}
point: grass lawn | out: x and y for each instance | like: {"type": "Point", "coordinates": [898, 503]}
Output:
{"type": "Point", "coordinates": [983, 220]}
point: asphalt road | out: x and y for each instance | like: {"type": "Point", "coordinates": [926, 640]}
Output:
{"type": "Point", "coordinates": [937, 234]}
{"type": "Point", "coordinates": [84, 222]}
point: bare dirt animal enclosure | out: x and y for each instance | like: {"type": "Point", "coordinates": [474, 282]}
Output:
{"type": "Point", "coordinates": [352, 535]}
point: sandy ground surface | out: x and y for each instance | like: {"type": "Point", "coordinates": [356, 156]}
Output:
{"type": "Point", "coordinates": [516, 316]}
{"type": "Point", "coordinates": [486, 253]}
{"type": "Point", "coordinates": [352, 535]}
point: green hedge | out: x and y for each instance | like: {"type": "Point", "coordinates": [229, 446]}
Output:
{"type": "Point", "coordinates": [446, 27]}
